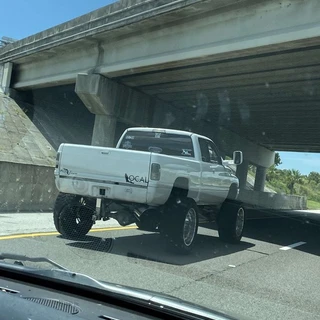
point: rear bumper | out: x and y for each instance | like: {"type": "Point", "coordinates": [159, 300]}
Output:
{"type": "Point", "coordinates": [102, 189]}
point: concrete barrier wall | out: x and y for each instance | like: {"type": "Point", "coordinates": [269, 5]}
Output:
{"type": "Point", "coordinates": [26, 188]}
{"type": "Point", "coordinates": [274, 201]}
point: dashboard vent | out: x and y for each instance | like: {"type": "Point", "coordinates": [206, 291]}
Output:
{"type": "Point", "coordinates": [56, 304]}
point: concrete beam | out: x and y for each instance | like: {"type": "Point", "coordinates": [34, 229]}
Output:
{"type": "Point", "coordinates": [5, 77]}
{"type": "Point", "coordinates": [105, 97]}
{"type": "Point", "coordinates": [179, 42]}
{"type": "Point", "coordinates": [111, 17]}
{"type": "Point", "coordinates": [253, 153]}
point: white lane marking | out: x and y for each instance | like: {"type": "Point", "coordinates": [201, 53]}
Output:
{"type": "Point", "coordinates": [292, 246]}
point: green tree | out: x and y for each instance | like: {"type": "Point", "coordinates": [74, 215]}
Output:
{"type": "Point", "coordinates": [273, 172]}
{"type": "Point", "coordinates": [292, 177]}
{"type": "Point", "coordinates": [277, 159]}
{"type": "Point", "coordinates": [314, 176]}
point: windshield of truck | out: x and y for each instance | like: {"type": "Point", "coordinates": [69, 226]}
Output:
{"type": "Point", "coordinates": [158, 142]}
{"type": "Point", "coordinates": [166, 145]}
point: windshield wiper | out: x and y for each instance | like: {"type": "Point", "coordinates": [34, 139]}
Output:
{"type": "Point", "coordinates": [19, 258]}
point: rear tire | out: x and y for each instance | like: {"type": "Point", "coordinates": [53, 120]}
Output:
{"type": "Point", "coordinates": [231, 221]}
{"type": "Point", "coordinates": [149, 220]}
{"type": "Point", "coordinates": [62, 200]}
{"type": "Point", "coordinates": [72, 215]}
{"type": "Point", "coordinates": [180, 225]}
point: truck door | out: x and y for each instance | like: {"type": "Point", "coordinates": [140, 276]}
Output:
{"type": "Point", "coordinates": [212, 173]}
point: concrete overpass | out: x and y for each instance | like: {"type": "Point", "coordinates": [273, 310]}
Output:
{"type": "Point", "coordinates": [244, 72]}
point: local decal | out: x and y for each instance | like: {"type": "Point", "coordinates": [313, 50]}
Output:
{"type": "Point", "coordinates": [135, 179]}
{"type": "Point", "coordinates": [67, 171]}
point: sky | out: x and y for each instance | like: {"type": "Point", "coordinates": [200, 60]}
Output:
{"type": "Point", "coordinates": [22, 18]}
{"type": "Point", "coordinates": [304, 162]}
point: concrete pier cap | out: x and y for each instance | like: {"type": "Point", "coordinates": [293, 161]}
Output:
{"type": "Point", "coordinates": [252, 152]}
{"type": "Point", "coordinates": [112, 102]}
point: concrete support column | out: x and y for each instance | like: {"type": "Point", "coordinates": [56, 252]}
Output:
{"type": "Point", "coordinates": [111, 102]}
{"type": "Point", "coordinates": [260, 179]}
{"type": "Point", "coordinates": [5, 77]}
{"type": "Point", "coordinates": [242, 173]}
{"type": "Point", "coordinates": [104, 131]}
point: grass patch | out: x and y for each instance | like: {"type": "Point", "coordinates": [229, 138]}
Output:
{"type": "Point", "coordinates": [313, 205]}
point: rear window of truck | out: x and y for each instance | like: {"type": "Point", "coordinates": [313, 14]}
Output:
{"type": "Point", "coordinates": [158, 142]}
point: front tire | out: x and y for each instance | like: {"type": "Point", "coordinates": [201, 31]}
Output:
{"type": "Point", "coordinates": [233, 192]}
{"type": "Point", "coordinates": [180, 225]}
{"type": "Point", "coordinates": [231, 222]}
{"type": "Point", "coordinates": [72, 215]}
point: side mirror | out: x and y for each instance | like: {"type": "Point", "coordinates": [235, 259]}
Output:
{"type": "Point", "coordinates": [237, 157]}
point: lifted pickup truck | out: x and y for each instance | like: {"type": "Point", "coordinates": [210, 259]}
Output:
{"type": "Point", "coordinates": [162, 180]}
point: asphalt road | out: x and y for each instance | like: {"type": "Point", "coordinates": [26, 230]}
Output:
{"type": "Point", "coordinates": [274, 273]}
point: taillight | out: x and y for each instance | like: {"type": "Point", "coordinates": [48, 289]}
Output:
{"type": "Point", "coordinates": [155, 171]}
{"type": "Point", "coordinates": [57, 160]}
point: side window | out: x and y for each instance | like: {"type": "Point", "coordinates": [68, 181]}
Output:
{"type": "Point", "coordinates": [205, 156]}
{"type": "Point", "coordinates": [214, 156]}
{"type": "Point", "coordinates": [208, 151]}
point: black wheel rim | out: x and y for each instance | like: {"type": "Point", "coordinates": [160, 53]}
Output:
{"type": "Point", "coordinates": [77, 218]}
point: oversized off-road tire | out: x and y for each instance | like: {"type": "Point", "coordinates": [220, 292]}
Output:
{"type": "Point", "coordinates": [72, 215]}
{"type": "Point", "coordinates": [233, 192]}
{"type": "Point", "coordinates": [62, 200]}
{"type": "Point", "coordinates": [180, 225]}
{"type": "Point", "coordinates": [231, 221]}
{"type": "Point", "coordinates": [149, 220]}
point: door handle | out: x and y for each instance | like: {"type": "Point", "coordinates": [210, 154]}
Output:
{"type": "Point", "coordinates": [213, 168]}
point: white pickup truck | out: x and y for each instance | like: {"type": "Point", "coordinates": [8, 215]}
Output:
{"type": "Point", "coordinates": [162, 180]}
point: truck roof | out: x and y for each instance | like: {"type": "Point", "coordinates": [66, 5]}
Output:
{"type": "Point", "coordinates": [172, 131]}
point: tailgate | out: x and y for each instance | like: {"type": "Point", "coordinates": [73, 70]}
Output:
{"type": "Point", "coordinates": [104, 168]}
